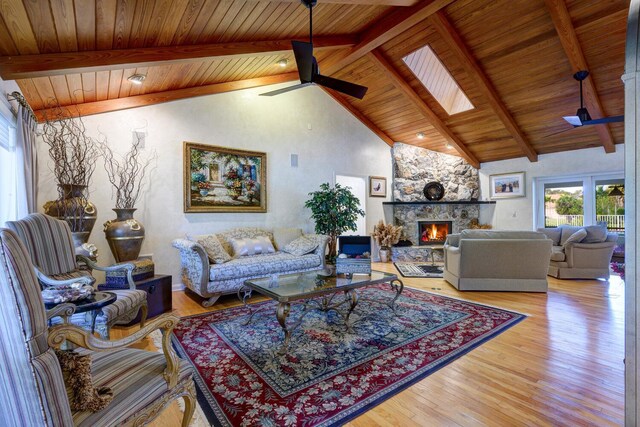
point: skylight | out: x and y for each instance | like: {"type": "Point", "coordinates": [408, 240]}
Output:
{"type": "Point", "coordinates": [436, 78]}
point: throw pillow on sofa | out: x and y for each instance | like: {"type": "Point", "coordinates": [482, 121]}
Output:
{"type": "Point", "coordinates": [576, 237]}
{"type": "Point", "coordinates": [283, 236]}
{"type": "Point", "coordinates": [214, 249]}
{"type": "Point", "coordinates": [252, 246]}
{"type": "Point", "coordinates": [300, 246]}
{"type": "Point", "coordinates": [595, 234]}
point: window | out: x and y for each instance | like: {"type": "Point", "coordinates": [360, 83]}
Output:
{"type": "Point", "coordinates": [8, 171]}
{"type": "Point", "coordinates": [581, 200]}
{"type": "Point", "coordinates": [439, 82]}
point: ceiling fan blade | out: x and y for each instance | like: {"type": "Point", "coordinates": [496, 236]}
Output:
{"type": "Point", "coordinates": [613, 119]}
{"type": "Point", "coordinates": [304, 59]}
{"type": "Point", "coordinates": [573, 120]}
{"type": "Point", "coordinates": [342, 86]}
{"type": "Point", "coordinates": [286, 89]}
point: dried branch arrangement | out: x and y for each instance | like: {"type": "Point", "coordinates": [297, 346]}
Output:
{"type": "Point", "coordinates": [386, 234]}
{"type": "Point", "coordinates": [74, 156]}
{"type": "Point", "coordinates": [126, 172]}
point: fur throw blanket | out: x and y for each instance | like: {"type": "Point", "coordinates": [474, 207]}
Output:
{"type": "Point", "coordinates": [77, 376]}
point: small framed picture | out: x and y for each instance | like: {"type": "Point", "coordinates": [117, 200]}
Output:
{"type": "Point", "coordinates": [377, 186]}
{"type": "Point", "coordinates": [507, 185]}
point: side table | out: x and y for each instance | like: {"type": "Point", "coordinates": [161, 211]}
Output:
{"type": "Point", "coordinates": [158, 290]}
{"type": "Point", "coordinates": [92, 304]}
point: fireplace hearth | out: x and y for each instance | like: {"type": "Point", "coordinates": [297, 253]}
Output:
{"type": "Point", "coordinates": [430, 232]}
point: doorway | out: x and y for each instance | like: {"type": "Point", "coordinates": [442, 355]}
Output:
{"type": "Point", "coordinates": [358, 186]}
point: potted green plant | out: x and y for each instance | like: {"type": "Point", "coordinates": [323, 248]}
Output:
{"type": "Point", "coordinates": [334, 210]}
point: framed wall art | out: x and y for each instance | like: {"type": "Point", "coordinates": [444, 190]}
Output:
{"type": "Point", "coordinates": [507, 185]}
{"type": "Point", "coordinates": [220, 179]}
{"type": "Point", "coordinates": [377, 186]}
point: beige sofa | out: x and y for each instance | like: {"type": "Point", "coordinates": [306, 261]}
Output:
{"type": "Point", "coordinates": [491, 260]}
{"type": "Point", "coordinates": [586, 259]}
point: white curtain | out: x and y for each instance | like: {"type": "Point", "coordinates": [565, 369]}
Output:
{"type": "Point", "coordinates": [27, 165]}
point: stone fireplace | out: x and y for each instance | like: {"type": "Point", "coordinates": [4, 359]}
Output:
{"type": "Point", "coordinates": [427, 223]}
{"type": "Point", "coordinates": [430, 232]}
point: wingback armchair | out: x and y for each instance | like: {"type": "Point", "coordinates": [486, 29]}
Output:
{"type": "Point", "coordinates": [50, 245]}
{"type": "Point", "coordinates": [32, 390]}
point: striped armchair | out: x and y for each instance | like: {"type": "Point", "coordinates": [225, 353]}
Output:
{"type": "Point", "coordinates": [49, 244]}
{"type": "Point", "coordinates": [32, 390]}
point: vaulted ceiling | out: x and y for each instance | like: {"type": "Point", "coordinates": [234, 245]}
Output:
{"type": "Point", "coordinates": [512, 58]}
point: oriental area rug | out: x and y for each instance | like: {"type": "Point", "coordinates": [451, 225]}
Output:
{"type": "Point", "coordinates": [328, 375]}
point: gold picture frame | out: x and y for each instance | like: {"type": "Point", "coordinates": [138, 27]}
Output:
{"type": "Point", "coordinates": [222, 179]}
{"type": "Point", "coordinates": [377, 186]}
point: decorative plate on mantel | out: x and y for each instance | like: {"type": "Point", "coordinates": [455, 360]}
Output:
{"type": "Point", "coordinates": [433, 191]}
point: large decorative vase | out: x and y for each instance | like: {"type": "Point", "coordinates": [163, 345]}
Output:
{"type": "Point", "coordinates": [235, 192]}
{"type": "Point", "coordinates": [385, 253]}
{"type": "Point", "coordinates": [125, 235]}
{"type": "Point", "coordinates": [76, 210]}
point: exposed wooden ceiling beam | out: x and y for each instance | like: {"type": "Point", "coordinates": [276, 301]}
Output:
{"type": "Point", "coordinates": [389, 71]}
{"type": "Point", "coordinates": [30, 66]}
{"type": "Point", "coordinates": [358, 115]}
{"type": "Point", "coordinates": [89, 108]}
{"type": "Point", "coordinates": [564, 27]}
{"type": "Point", "coordinates": [389, 27]}
{"type": "Point", "coordinates": [460, 49]}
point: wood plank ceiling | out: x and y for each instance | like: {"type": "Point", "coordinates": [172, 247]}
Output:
{"type": "Point", "coordinates": [512, 58]}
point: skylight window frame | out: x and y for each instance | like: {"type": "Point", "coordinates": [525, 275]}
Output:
{"type": "Point", "coordinates": [458, 89]}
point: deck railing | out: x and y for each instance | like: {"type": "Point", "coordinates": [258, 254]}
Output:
{"type": "Point", "coordinates": [614, 222]}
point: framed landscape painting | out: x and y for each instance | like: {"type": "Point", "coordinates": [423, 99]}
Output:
{"type": "Point", "coordinates": [220, 179]}
{"type": "Point", "coordinates": [507, 185]}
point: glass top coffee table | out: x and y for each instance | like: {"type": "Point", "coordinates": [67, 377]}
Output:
{"type": "Point", "coordinates": [315, 291]}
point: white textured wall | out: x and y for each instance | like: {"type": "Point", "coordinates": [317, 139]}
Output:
{"type": "Point", "coordinates": [517, 214]}
{"type": "Point", "coordinates": [279, 126]}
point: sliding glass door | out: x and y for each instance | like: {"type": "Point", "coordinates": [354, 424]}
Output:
{"type": "Point", "coordinates": [563, 203]}
{"type": "Point", "coordinates": [580, 200]}
{"type": "Point", "coordinates": [609, 194]}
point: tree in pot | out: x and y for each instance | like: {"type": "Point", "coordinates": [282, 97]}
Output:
{"type": "Point", "coordinates": [125, 173]}
{"type": "Point", "coordinates": [334, 210]}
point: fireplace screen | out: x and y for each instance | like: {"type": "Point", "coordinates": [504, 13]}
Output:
{"type": "Point", "coordinates": [433, 231]}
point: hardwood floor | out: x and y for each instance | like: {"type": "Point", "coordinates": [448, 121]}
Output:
{"type": "Point", "coordinates": [563, 365]}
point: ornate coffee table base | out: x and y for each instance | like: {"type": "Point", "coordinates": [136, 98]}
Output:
{"type": "Point", "coordinates": [324, 304]}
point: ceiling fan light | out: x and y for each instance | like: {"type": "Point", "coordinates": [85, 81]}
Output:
{"type": "Point", "coordinates": [137, 79]}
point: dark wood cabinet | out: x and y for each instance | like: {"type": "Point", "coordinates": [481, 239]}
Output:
{"type": "Point", "coordinates": [158, 290]}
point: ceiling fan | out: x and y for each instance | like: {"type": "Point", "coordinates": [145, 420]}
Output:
{"type": "Point", "coordinates": [582, 117]}
{"type": "Point", "coordinates": [308, 67]}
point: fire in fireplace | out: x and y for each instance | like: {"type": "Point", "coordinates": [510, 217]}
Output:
{"type": "Point", "coordinates": [430, 232]}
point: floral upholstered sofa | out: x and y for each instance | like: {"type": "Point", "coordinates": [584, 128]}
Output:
{"type": "Point", "coordinates": [224, 271]}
